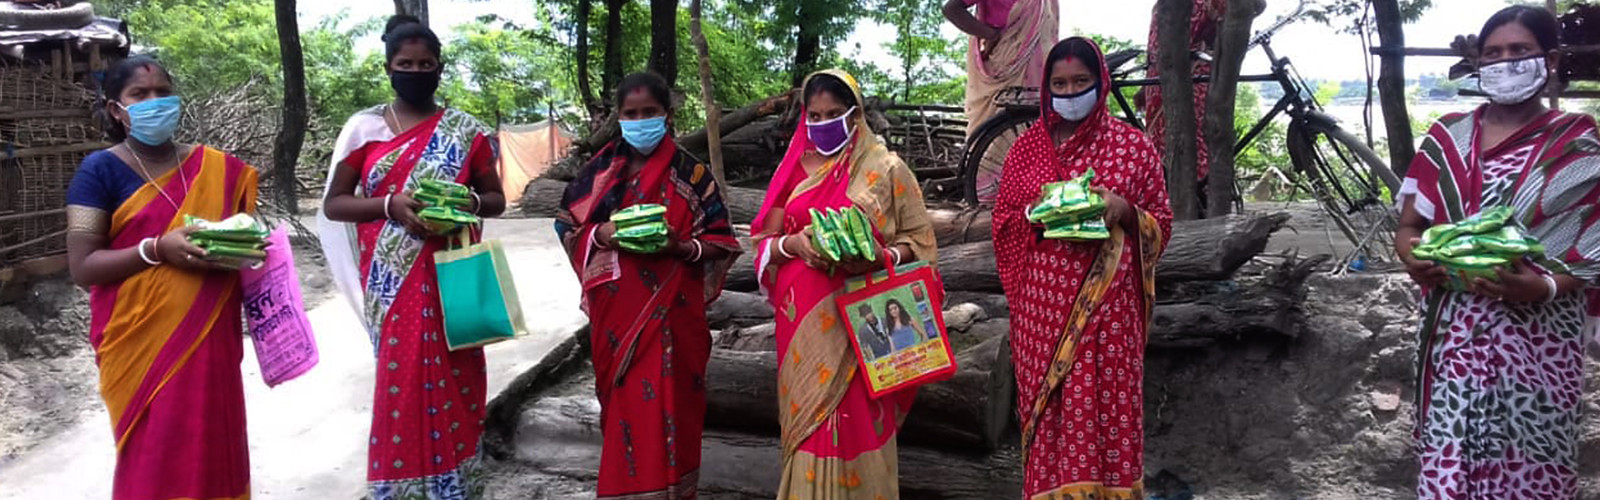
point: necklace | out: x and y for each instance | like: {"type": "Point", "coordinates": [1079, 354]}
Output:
{"type": "Point", "coordinates": [150, 179]}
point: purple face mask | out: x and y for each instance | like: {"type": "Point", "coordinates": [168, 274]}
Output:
{"type": "Point", "coordinates": [831, 136]}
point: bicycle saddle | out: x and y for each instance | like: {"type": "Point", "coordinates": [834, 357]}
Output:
{"type": "Point", "coordinates": [1115, 60]}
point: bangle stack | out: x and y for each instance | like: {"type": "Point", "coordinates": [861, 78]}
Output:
{"type": "Point", "coordinates": [477, 203]}
{"type": "Point", "coordinates": [698, 252]}
{"type": "Point", "coordinates": [145, 257]}
{"type": "Point", "coordinates": [386, 199]}
{"type": "Point", "coordinates": [1550, 283]}
{"type": "Point", "coordinates": [895, 251]}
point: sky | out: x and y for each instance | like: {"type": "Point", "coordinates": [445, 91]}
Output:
{"type": "Point", "coordinates": [1317, 51]}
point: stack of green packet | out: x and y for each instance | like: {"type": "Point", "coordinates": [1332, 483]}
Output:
{"type": "Point", "coordinates": [1069, 210]}
{"type": "Point", "coordinates": [841, 235]}
{"type": "Point", "coordinates": [237, 242]}
{"type": "Point", "coordinates": [446, 202]}
{"type": "Point", "coordinates": [641, 228]}
{"type": "Point", "coordinates": [1474, 247]}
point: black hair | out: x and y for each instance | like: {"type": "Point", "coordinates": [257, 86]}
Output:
{"type": "Point", "coordinates": [865, 309]}
{"type": "Point", "coordinates": [904, 319]}
{"type": "Point", "coordinates": [116, 80]}
{"type": "Point", "coordinates": [650, 82]}
{"type": "Point", "coordinates": [406, 28]}
{"type": "Point", "coordinates": [1074, 48]}
{"type": "Point", "coordinates": [1539, 20]}
{"type": "Point", "coordinates": [833, 86]}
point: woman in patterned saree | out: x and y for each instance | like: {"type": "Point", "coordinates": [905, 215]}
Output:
{"type": "Point", "coordinates": [838, 442]}
{"type": "Point", "coordinates": [428, 402]}
{"type": "Point", "coordinates": [166, 323]}
{"type": "Point", "coordinates": [647, 311]}
{"type": "Point", "coordinates": [1501, 368]}
{"type": "Point", "coordinates": [1080, 310]}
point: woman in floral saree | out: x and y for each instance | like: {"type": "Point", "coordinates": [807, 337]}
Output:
{"type": "Point", "coordinates": [647, 311]}
{"type": "Point", "coordinates": [166, 323]}
{"type": "Point", "coordinates": [838, 442]}
{"type": "Point", "coordinates": [1501, 365]}
{"type": "Point", "coordinates": [428, 402]}
{"type": "Point", "coordinates": [1080, 310]}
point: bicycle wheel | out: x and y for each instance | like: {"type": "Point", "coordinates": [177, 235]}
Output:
{"type": "Point", "coordinates": [986, 154]}
{"type": "Point", "coordinates": [1350, 181]}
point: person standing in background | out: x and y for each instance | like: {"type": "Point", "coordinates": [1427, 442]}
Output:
{"type": "Point", "coordinates": [1204, 22]}
{"type": "Point", "coordinates": [1009, 40]}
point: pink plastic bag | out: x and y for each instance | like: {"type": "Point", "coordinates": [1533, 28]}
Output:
{"type": "Point", "coordinates": [276, 314]}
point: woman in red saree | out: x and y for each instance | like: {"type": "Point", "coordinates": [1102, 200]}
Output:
{"type": "Point", "coordinates": [1204, 21]}
{"type": "Point", "coordinates": [428, 402]}
{"type": "Point", "coordinates": [647, 312]}
{"type": "Point", "coordinates": [166, 324]}
{"type": "Point", "coordinates": [1080, 310]}
{"type": "Point", "coordinates": [838, 442]}
{"type": "Point", "coordinates": [1500, 372]}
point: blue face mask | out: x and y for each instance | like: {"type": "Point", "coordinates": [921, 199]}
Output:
{"type": "Point", "coordinates": [644, 135]}
{"type": "Point", "coordinates": [155, 121]}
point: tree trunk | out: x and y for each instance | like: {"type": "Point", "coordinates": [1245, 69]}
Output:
{"type": "Point", "coordinates": [417, 8]}
{"type": "Point", "coordinates": [286, 149]}
{"type": "Point", "coordinates": [808, 44]}
{"type": "Point", "coordinates": [585, 86]}
{"type": "Point", "coordinates": [1177, 94]}
{"type": "Point", "coordinates": [1233, 41]}
{"type": "Point", "coordinates": [708, 95]}
{"type": "Point", "coordinates": [1392, 84]}
{"type": "Point", "coordinates": [664, 39]}
{"type": "Point", "coordinates": [612, 72]}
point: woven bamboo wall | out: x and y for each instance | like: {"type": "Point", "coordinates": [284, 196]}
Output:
{"type": "Point", "coordinates": [46, 130]}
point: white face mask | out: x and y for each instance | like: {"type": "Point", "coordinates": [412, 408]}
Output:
{"type": "Point", "coordinates": [1076, 107]}
{"type": "Point", "coordinates": [1513, 82]}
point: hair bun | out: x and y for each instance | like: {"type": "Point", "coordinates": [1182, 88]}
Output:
{"type": "Point", "coordinates": [396, 21]}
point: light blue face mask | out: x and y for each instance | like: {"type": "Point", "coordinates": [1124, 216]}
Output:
{"type": "Point", "coordinates": [644, 135]}
{"type": "Point", "coordinates": [155, 121]}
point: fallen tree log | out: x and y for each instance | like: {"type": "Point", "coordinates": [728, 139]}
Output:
{"type": "Point", "coordinates": [1203, 250]}
{"type": "Point", "coordinates": [561, 436]}
{"type": "Point", "coordinates": [955, 227]}
{"type": "Point", "coordinates": [542, 198]}
{"type": "Point", "coordinates": [695, 142]}
{"type": "Point", "coordinates": [975, 408]}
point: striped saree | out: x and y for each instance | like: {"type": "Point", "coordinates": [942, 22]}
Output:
{"type": "Point", "coordinates": [168, 344]}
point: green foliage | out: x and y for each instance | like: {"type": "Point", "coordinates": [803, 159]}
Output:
{"type": "Point", "coordinates": [930, 70]}
{"type": "Point", "coordinates": [1349, 16]}
{"type": "Point", "coordinates": [1269, 149]}
{"type": "Point", "coordinates": [210, 46]}
{"type": "Point", "coordinates": [501, 74]}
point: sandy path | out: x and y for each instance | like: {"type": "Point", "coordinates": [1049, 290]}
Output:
{"type": "Point", "coordinates": [308, 437]}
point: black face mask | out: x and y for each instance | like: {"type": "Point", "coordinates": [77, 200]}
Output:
{"type": "Point", "coordinates": [415, 88]}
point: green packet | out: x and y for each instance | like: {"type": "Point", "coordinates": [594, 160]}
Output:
{"type": "Point", "coordinates": [862, 231]}
{"type": "Point", "coordinates": [822, 236]}
{"type": "Point", "coordinates": [1484, 222]}
{"type": "Point", "coordinates": [209, 244]}
{"type": "Point", "coordinates": [639, 214]}
{"type": "Point", "coordinates": [239, 253]}
{"type": "Point", "coordinates": [1067, 200]}
{"type": "Point", "coordinates": [641, 232]}
{"type": "Point", "coordinates": [443, 188]}
{"type": "Point", "coordinates": [845, 234]}
{"type": "Point", "coordinates": [447, 214]}
{"type": "Point", "coordinates": [437, 200]}
{"type": "Point", "coordinates": [645, 246]}
{"type": "Point", "coordinates": [1090, 230]}
{"type": "Point", "coordinates": [240, 227]}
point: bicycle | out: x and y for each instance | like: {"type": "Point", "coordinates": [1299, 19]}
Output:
{"type": "Point", "coordinates": [1348, 179]}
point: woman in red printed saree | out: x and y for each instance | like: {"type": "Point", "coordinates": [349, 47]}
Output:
{"type": "Point", "coordinates": [166, 324]}
{"type": "Point", "coordinates": [1500, 374]}
{"type": "Point", "coordinates": [1080, 311]}
{"type": "Point", "coordinates": [838, 442]}
{"type": "Point", "coordinates": [647, 312]}
{"type": "Point", "coordinates": [428, 401]}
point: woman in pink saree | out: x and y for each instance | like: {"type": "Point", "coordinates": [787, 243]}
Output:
{"type": "Point", "coordinates": [166, 323]}
{"type": "Point", "coordinates": [838, 442]}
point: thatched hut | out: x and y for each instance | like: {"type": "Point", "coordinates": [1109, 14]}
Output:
{"type": "Point", "coordinates": [51, 58]}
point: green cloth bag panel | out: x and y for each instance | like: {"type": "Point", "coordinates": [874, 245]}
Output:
{"type": "Point", "coordinates": [477, 294]}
